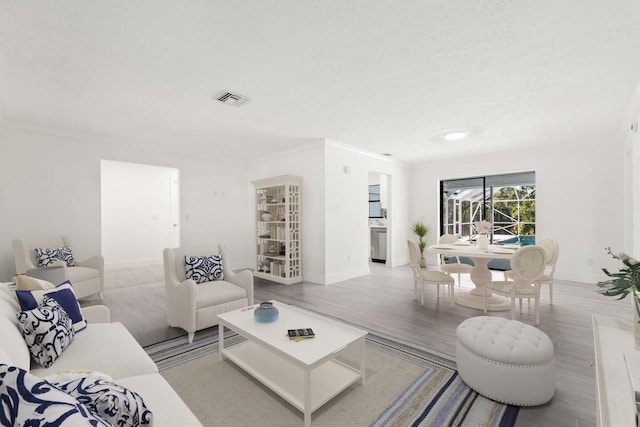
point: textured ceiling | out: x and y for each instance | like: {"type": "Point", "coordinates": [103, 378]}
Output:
{"type": "Point", "coordinates": [384, 75]}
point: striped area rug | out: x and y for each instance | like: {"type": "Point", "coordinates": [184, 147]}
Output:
{"type": "Point", "coordinates": [406, 386]}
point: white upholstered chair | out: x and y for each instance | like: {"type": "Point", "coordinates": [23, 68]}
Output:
{"type": "Point", "coordinates": [527, 267]}
{"type": "Point", "coordinates": [552, 251]}
{"type": "Point", "coordinates": [427, 277]}
{"type": "Point", "coordinates": [452, 264]}
{"type": "Point", "coordinates": [192, 306]}
{"type": "Point", "coordinates": [87, 277]}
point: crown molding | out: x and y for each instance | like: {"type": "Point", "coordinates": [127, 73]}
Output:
{"type": "Point", "coordinates": [85, 137]}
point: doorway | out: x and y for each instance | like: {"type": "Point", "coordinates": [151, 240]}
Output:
{"type": "Point", "coordinates": [379, 224]}
{"type": "Point", "coordinates": [139, 213]}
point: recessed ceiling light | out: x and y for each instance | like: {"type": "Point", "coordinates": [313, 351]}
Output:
{"type": "Point", "coordinates": [454, 136]}
{"type": "Point", "coordinates": [387, 154]}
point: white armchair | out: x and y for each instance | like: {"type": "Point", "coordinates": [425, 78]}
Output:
{"type": "Point", "coordinates": [192, 306]}
{"type": "Point", "coordinates": [87, 277]}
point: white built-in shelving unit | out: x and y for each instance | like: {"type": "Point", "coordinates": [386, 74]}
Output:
{"type": "Point", "coordinates": [278, 249]}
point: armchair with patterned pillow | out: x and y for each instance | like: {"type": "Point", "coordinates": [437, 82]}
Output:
{"type": "Point", "coordinates": [200, 285]}
{"type": "Point", "coordinates": [33, 256]}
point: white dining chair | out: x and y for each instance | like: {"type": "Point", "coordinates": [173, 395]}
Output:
{"type": "Point", "coordinates": [427, 277]}
{"type": "Point", "coordinates": [527, 266]}
{"type": "Point", "coordinates": [552, 251]}
{"type": "Point", "coordinates": [452, 264]}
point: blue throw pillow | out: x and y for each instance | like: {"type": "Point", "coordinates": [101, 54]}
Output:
{"type": "Point", "coordinates": [63, 294]}
{"type": "Point", "coordinates": [29, 401]}
{"type": "Point", "coordinates": [47, 330]}
{"type": "Point", "coordinates": [47, 256]}
{"type": "Point", "coordinates": [204, 268]}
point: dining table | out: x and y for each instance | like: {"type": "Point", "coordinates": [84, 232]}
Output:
{"type": "Point", "coordinates": [480, 273]}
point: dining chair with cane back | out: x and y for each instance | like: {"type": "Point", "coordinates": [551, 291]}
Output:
{"type": "Point", "coordinates": [452, 264]}
{"type": "Point", "coordinates": [527, 267]}
{"type": "Point", "coordinates": [427, 277]}
{"type": "Point", "coordinates": [552, 251]}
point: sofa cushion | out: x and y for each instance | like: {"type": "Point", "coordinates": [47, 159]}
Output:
{"type": "Point", "coordinates": [15, 351]}
{"type": "Point", "coordinates": [27, 283]}
{"type": "Point", "coordinates": [5, 358]}
{"type": "Point", "coordinates": [47, 330]}
{"type": "Point", "coordinates": [113, 402]}
{"type": "Point", "coordinates": [162, 400]}
{"type": "Point", "coordinates": [63, 294]}
{"type": "Point", "coordinates": [30, 401]}
{"type": "Point", "coordinates": [203, 268]}
{"type": "Point", "coordinates": [103, 347]}
{"type": "Point", "coordinates": [47, 256]}
{"type": "Point", "coordinates": [81, 274]}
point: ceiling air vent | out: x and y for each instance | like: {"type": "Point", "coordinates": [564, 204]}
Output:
{"type": "Point", "coordinates": [232, 99]}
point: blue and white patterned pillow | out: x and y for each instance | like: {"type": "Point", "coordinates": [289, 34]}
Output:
{"type": "Point", "coordinates": [63, 294]}
{"type": "Point", "coordinates": [204, 268]}
{"type": "Point", "coordinates": [47, 331]}
{"type": "Point", "coordinates": [118, 405]}
{"type": "Point", "coordinates": [47, 256]}
{"type": "Point", "coordinates": [29, 401]}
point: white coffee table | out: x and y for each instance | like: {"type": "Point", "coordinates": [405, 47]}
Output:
{"type": "Point", "coordinates": [305, 373]}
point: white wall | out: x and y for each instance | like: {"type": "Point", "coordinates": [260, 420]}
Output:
{"type": "Point", "coordinates": [347, 214]}
{"type": "Point", "coordinates": [51, 185]}
{"type": "Point", "coordinates": [136, 204]}
{"type": "Point", "coordinates": [579, 198]}
{"type": "Point", "coordinates": [308, 163]}
{"type": "Point", "coordinates": [633, 195]}
{"type": "Point", "coordinates": [335, 206]}
{"type": "Point", "coordinates": [632, 176]}
{"type": "Point", "coordinates": [347, 234]}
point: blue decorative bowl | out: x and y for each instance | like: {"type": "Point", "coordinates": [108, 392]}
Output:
{"type": "Point", "coordinates": [266, 312]}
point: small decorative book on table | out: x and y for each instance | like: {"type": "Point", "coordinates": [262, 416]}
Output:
{"type": "Point", "coordinates": [295, 334]}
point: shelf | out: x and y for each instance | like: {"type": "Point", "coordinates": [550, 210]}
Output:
{"type": "Point", "coordinates": [287, 379]}
{"type": "Point", "coordinates": [283, 228]}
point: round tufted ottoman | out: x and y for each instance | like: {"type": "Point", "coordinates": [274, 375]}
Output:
{"type": "Point", "coordinates": [506, 360]}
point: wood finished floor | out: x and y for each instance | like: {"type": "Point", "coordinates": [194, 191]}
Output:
{"type": "Point", "coordinates": [383, 301]}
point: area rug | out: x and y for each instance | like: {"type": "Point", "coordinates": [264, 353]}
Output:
{"type": "Point", "coordinates": [405, 386]}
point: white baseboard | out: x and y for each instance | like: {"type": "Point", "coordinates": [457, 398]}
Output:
{"type": "Point", "coordinates": [132, 263]}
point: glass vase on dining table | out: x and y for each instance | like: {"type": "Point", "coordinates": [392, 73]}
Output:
{"type": "Point", "coordinates": [482, 241]}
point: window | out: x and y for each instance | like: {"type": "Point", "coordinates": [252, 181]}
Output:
{"type": "Point", "coordinates": [507, 201]}
{"type": "Point", "coordinates": [375, 208]}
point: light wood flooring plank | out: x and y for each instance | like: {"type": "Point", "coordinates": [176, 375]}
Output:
{"type": "Point", "coordinates": [384, 301]}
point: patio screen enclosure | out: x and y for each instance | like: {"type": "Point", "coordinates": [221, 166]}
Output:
{"type": "Point", "coordinates": [507, 201]}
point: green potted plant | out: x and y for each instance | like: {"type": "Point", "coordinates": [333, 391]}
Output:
{"type": "Point", "coordinates": [421, 230]}
{"type": "Point", "coordinates": [625, 282]}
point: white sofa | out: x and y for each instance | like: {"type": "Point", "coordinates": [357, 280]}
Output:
{"type": "Point", "coordinates": [103, 347]}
